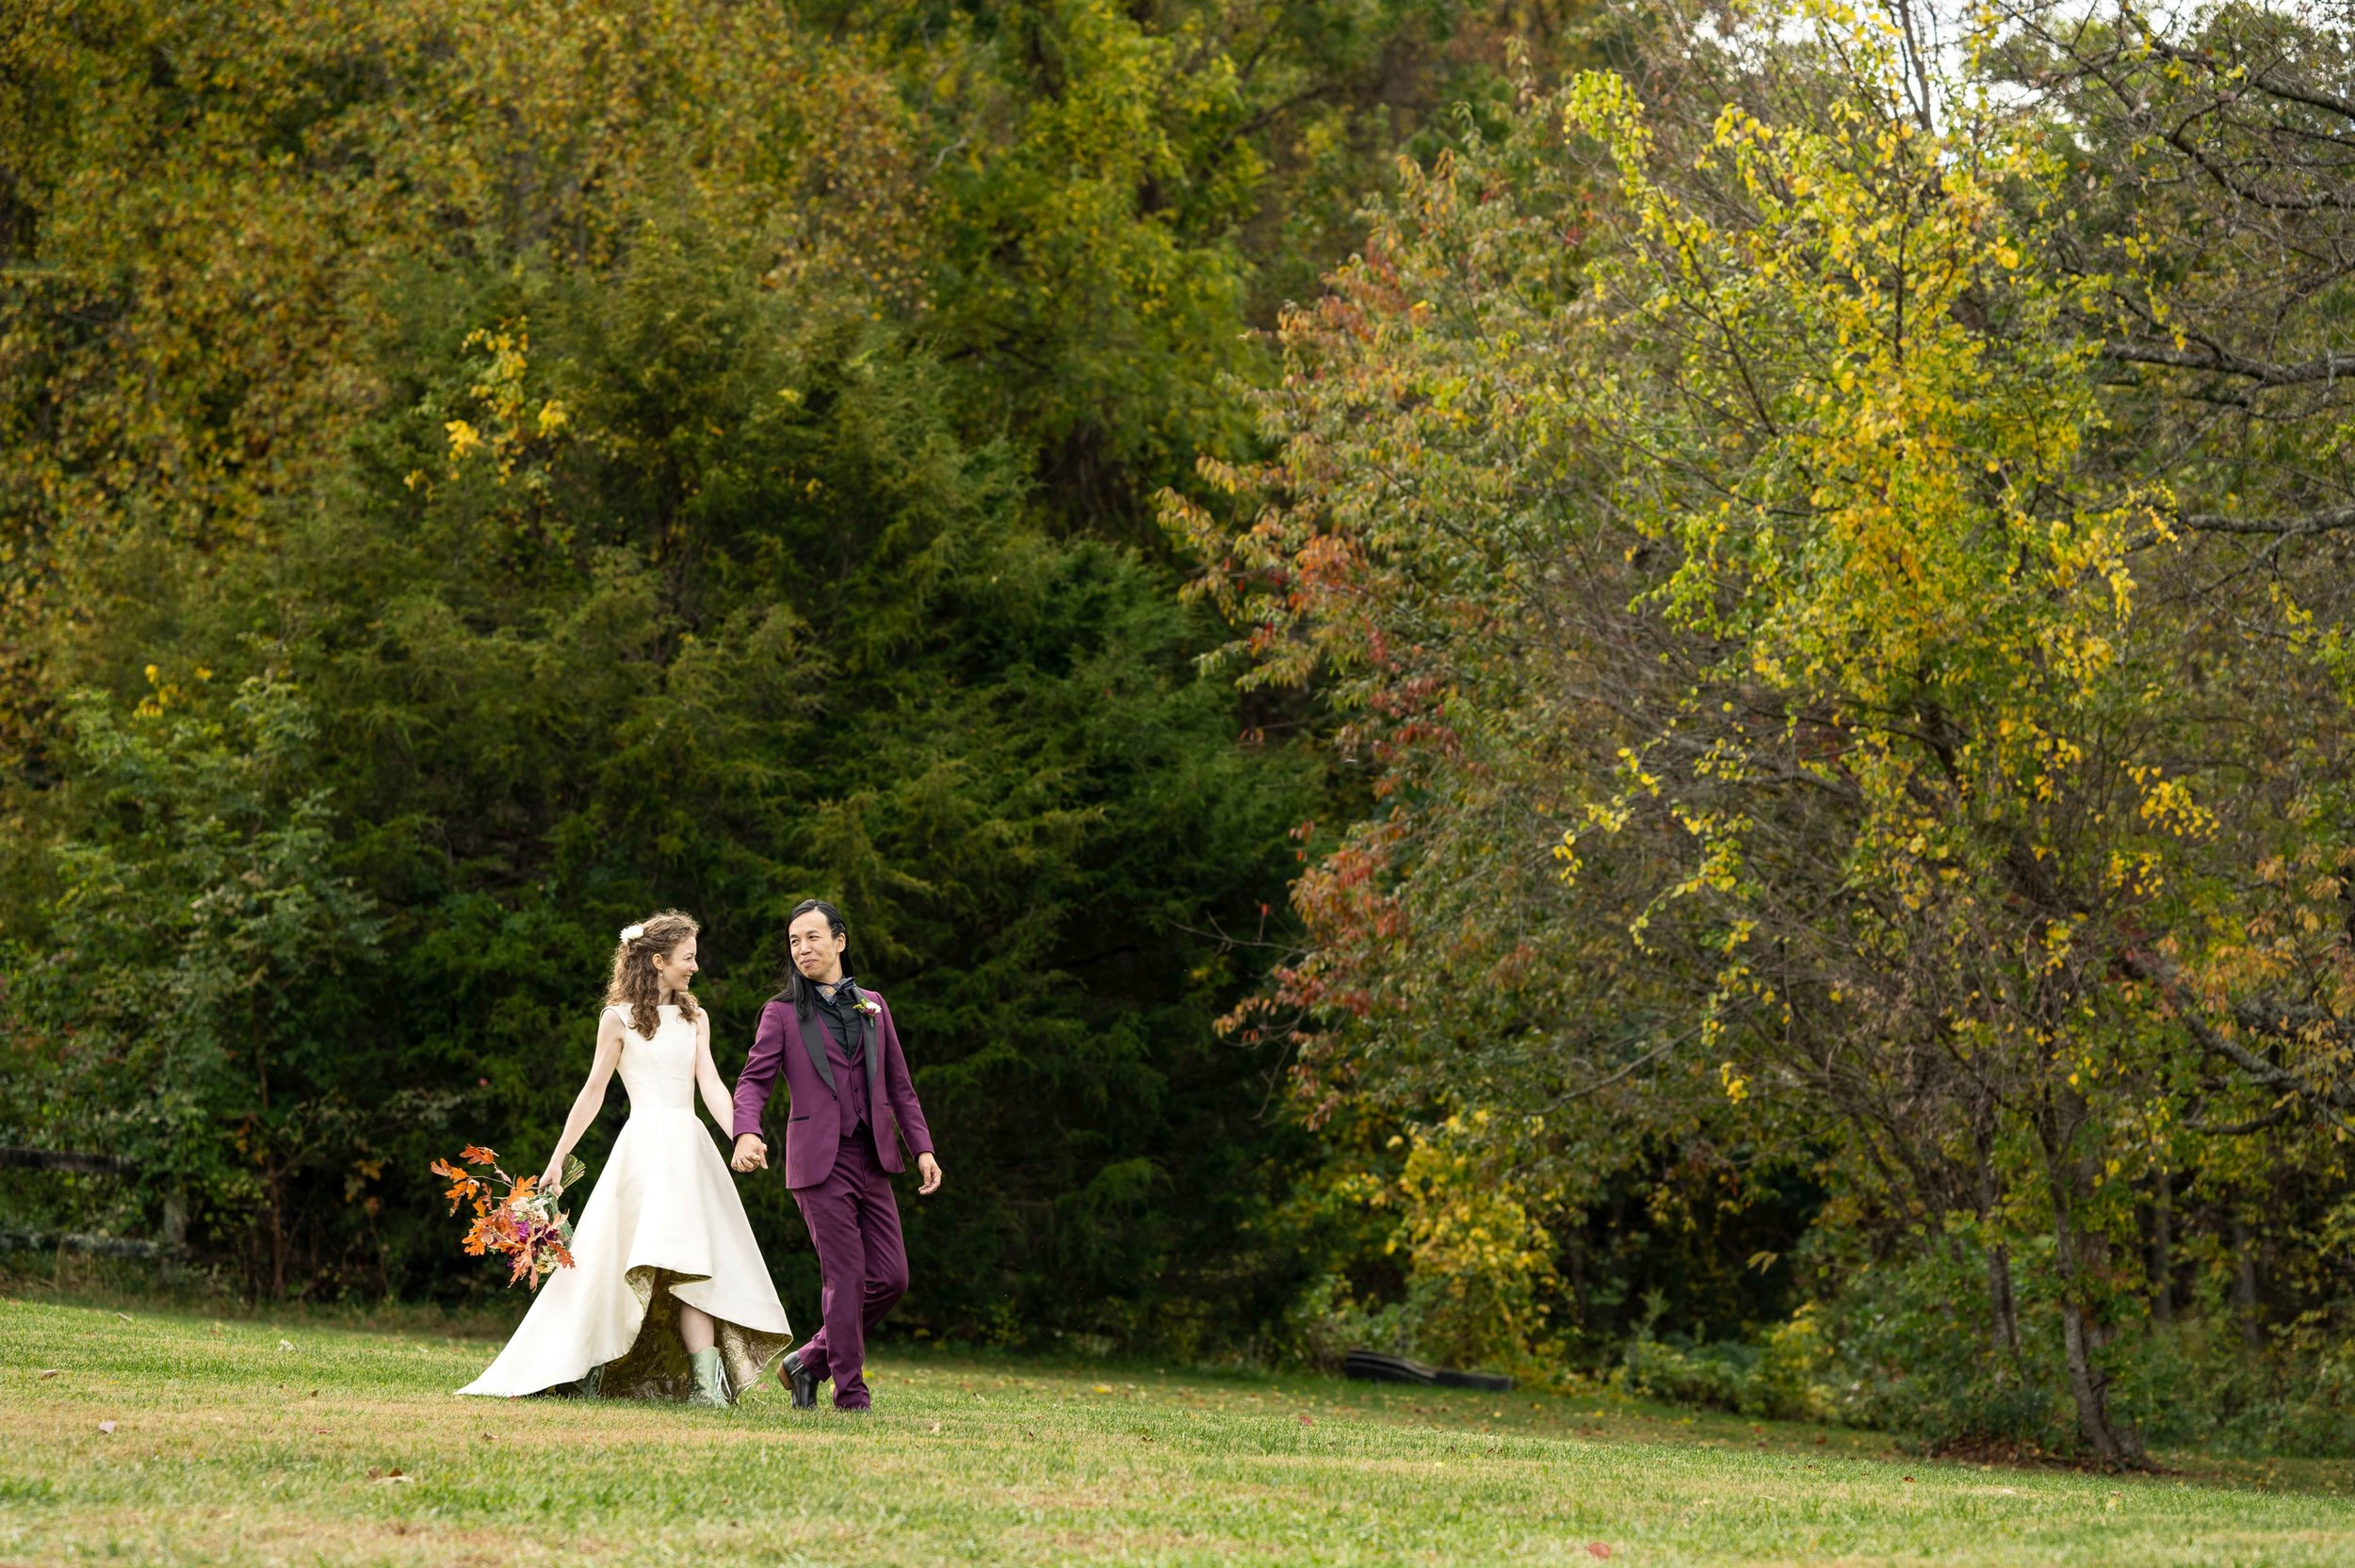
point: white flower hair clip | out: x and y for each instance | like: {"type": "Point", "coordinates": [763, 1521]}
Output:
{"type": "Point", "coordinates": [631, 933]}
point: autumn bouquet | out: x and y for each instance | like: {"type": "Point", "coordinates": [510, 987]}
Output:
{"type": "Point", "coordinates": [520, 1222]}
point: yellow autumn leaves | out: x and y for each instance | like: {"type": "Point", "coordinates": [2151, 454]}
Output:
{"type": "Point", "coordinates": [508, 418]}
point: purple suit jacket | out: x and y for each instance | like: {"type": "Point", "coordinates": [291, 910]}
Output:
{"type": "Point", "coordinates": [812, 1128]}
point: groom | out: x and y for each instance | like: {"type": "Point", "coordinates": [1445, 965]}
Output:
{"type": "Point", "coordinates": [851, 1104]}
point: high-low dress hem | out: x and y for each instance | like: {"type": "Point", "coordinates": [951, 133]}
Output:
{"type": "Point", "coordinates": [663, 1226]}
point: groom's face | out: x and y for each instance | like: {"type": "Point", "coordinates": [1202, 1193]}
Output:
{"type": "Point", "coordinates": [817, 951]}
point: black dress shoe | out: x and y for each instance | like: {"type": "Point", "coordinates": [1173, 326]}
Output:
{"type": "Point", "coordinates": [804, 1384]}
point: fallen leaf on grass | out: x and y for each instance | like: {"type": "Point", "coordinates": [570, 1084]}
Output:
{"type": "Point", "coordinates": [107, 1427]}
{"type": "Point", "coordinates": [1598, 1548]}
{"type": "Point", "coordinates": [285, 1344]}
{"type": "Point", "coordinates": [1307, 1419]}
{"type": "Point", "coordinates": [1909, 1480]}
{"type": "Point", "coordinates": [936, 1426]}
{"type": "Point", "coordinates": [376, 1475]}
{"type": "Point", "coordinates": [48, 1372]}
{"type": "Point", "coordinates": [124, 1316]}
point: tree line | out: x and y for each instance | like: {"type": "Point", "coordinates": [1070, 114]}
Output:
{"type": "Point", "coordinates": [1832, 550]}
{"type": "Point", "coordinates": [1620, 688]}
{"type": "Point", "coordinates": [476, 475]}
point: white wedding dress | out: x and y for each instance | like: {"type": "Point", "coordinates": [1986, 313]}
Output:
{"type": "Point", "coordinates": [663, 1226]}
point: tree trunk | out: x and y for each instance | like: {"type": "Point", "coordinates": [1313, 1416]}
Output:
{"type": "Point", "coordinates": [2244, 1285]}
{"type": "Point", "coordinates": [1574, 1257]}
{"type": "Point", "coordinates": [272, 1174]}
{"type": "Point", "coordinates": [277, 1239]}
{"type": "Point", "coordinates": [2113, 1443]}
{"type": "Point", "coordinates": [2002, 1302]}
{"type": "Point", "coordinates": [2163, 1248]}
{"type": "Point", "coordinates": [175, 1233]}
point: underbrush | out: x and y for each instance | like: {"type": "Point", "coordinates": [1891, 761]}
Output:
{"type": "Point", "coordinates": [1909, 1351]}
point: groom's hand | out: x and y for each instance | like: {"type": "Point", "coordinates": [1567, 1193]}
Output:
{"type": "Point", "coordinates": [929, 1169]}
{"type": "Point", "coordinates": [751, 1153]}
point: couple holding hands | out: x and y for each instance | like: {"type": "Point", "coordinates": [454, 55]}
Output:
{"type": "Point", "coordinates": [668, 1295]}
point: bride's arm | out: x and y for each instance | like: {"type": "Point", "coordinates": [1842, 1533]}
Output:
{"type": "Point", "coordinates": [715, 1091]}
{"type": "Point", "coordinates": [591, 1099]}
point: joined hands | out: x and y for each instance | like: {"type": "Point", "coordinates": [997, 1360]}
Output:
{"type": "Point", "coordinates": [751, 1154]}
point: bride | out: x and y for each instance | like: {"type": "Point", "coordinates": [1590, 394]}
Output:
{"type": "Point", "coordinates": [668, 1297]}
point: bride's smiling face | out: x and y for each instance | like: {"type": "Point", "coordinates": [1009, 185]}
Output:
{"type": "Point", "coordinates": [676, 971]}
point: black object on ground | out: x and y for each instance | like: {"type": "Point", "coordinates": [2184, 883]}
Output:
{"type": "Point", "coordinates": [1373, 1367]}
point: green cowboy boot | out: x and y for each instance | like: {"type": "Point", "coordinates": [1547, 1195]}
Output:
{"type": "Point", "coordinates": [711, 1382]}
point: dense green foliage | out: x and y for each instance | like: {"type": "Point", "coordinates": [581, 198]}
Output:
{"type": "Point", "coordinates": [1837, 727]}
{"type": "Point", "coordinates": [1789, 593]}
{"type": "Point", "coordinates": [474, 475]}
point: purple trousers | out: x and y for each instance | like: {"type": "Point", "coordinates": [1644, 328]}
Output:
{"type": "Point", "coordinates": [853, 1221]}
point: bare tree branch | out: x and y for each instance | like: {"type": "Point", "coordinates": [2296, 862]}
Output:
{"type": "Point", "coordinates": [2323, 367]}
{"type": "Point", "coordinates": [2258, 1071]}
{"type": "Point", "coordinates": [2275, 528]}
{"type": "Point", "coordinates": [2263, 80]}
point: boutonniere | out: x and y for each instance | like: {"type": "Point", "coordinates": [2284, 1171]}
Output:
{"type": "Point", "coordinates": [866, 1004]}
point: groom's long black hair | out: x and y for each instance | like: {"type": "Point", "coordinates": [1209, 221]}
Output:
{"type": "Point", "coordinates": [798, 989]}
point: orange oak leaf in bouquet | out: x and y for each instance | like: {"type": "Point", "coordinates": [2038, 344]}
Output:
{"type": "Point", "coordinates": [522, 1222]}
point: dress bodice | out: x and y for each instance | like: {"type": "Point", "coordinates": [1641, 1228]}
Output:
{"type": "Point", "coordinates": [659, 1073]}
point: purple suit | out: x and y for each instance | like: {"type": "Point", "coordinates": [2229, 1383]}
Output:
{"type": "Point", "coordinates": [836, 1171]}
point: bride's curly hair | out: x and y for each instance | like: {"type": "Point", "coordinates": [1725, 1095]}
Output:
{"type": "Point", "coordinates": [635, 985]}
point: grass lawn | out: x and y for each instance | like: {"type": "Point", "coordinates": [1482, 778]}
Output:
{"type": "Point", "coordinates": [245, 1442]}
